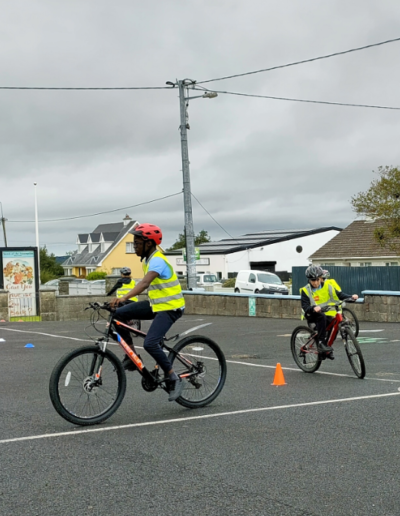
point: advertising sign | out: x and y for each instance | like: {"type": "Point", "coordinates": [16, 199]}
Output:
{"type": "Point", "coordinates": [197, 253]}
{"type": "Point", "coordinates": [20, 279]}
{"type": "Point", "coordinates": [252, 306]}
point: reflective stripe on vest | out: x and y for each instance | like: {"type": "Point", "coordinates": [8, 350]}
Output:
{"type": "Point", "coordinates": [164, 294]}
{"type": "Point", "coordinates": [127, 287]}
{"type": "Point", "coordinates": [326, 295]}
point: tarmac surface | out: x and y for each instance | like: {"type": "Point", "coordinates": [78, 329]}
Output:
{"type": "Point", "coordinates": [323, 444]}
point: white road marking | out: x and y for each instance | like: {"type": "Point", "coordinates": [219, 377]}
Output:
{"type": "Point", "coordinates": [47, 334]}
{"type": "Point", "coordinates": [370, 331]}
{"type": "Point", "coordinates": [193, 418]}
{"type": "Point", "coordinates": [210, 358]}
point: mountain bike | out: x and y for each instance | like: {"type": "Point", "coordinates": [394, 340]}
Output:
{"type": "Point", "coordinates": [88, 384]}
{"type": "Point", "coordinates": [348, 315]}
{"type": "Point", "coordinates": [303, 343]}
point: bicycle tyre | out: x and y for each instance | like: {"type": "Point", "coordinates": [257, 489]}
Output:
{"type": "Point", "coordinates": [350, 316]}
{"type": "Point", "coordinates": [353, 352]}
{"type": "Point", "coordinates": [69, 382]}
{"type": "Point", "coordinates": [201, 389]}
{"type": "Point", "coordinates": [299, 338]}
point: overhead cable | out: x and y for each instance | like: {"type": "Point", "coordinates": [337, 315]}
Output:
{"type": "Point", "coordinates": [101, 212]}
{"type": "Point", "coordinates": [299, 100]}
{"type": "Point", "coordinates": [82, 88]}
{"type": "Point", "coordinates": [301, 62]}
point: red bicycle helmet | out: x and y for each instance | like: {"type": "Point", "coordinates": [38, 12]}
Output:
{"type": "Point", "coordinates": [148, 232]}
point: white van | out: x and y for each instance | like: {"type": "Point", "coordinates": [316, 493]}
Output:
{"type": "Point", "coordinates": [259, 282]}
{"type": "Point", "coordinates": [207, 279]}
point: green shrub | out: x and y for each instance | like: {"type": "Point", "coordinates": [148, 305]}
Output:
{"type": "Point", "coordinates": [92, 276]}
{"type": "Point", "coordinates": [229, 283]}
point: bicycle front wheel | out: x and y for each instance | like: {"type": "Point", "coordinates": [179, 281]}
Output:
{"type": "Point", "coordinates": [304, 349]}
{"type": "Point", "coordinates": [351, 318]}
{"type": "Point", "coordinates": [203, 365]}
{"type": "Point", "coordinates": [81, 392]}
{"type": "Point", "coordinates": [354, 354]}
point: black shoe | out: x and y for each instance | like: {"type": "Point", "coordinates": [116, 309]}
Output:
{"type": "Point", "coordinates": [330, 356]}
{"type": "Point", "coordinates": [323, 348]}
{"type": "Point", "coordinates": [128, 365]}
{"type": "Point", "coordinates": [175, 390]}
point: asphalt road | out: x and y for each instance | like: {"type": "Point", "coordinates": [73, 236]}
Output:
{"type": "Point", "coordinates": [323, 444]}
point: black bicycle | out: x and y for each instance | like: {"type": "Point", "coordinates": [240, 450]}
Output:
{"type": "Point", "coordinates": [88, 384]}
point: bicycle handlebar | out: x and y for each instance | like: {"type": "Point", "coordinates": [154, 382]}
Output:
{"type": "Point", "coordinates": [337, 304]}
{"type": "Point", "coordinates": [98, 306]}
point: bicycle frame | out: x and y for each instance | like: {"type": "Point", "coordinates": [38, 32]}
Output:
{"type": "Point", "coordinates": [150, 378]}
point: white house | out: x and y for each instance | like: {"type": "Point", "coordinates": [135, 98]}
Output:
{"type": "Point", "coordinates": [274, 250]}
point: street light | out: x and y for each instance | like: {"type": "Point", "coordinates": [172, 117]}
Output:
{"type": "Point", "coordinates": [37, 233]}
{"type": "Point", "coordinates": [3, 222]}
{"type": "Point", "coordinates": [187, 195]}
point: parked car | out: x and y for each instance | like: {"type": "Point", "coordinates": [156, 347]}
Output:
{"type": "Point", "coordinates": [204, 280]}
{"type": "Point", "coordinates": [259, 282]}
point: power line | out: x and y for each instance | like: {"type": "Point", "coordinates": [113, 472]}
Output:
{"type": "Point", "coordinates": [302, 62]}
{"type": "Point", "coordinates": [102, 212]}
{"type": "Point", "coordinates": [213, 217]}
{"type": "Point", "coordinates": [300, 100]}
{"type": "Point", "coordinates": [85, 89]}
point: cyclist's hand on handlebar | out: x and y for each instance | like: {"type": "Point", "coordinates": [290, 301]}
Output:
{"type": "Point", "coordinates": [115, 302]}
{"type": "Point", "coordinates": [317, 308]}
{"type": "Point", "coordinates": [355, 297]}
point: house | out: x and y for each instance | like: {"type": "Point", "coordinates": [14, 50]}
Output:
{"type": "Point", "coordinates": [273, 250]}
{"type": "Point", "coordinates": [356, 246]}
{"type": "Point", "coordinates": [108, 248]}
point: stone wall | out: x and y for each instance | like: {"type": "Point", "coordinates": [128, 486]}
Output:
{"type": "Point", "coordinates": [375, 306]}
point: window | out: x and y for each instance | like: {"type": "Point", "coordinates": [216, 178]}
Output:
{"type": "Point", "coordinates": [252, 278]}
{"type": "Point", "coordinates": [365, 264]}
{"type": "Point", "coordinates": [392, 264]}
{"type": "Point", "coordinates": [129, 248]}
{"type": "Point", "coordinates": [219, 275]}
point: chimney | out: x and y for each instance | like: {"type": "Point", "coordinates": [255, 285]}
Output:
{"type": "Point", "coordinates": [126, 220]}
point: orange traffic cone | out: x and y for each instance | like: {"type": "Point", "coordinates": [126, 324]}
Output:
{"type": "Point", "coordinates": [278, 378]}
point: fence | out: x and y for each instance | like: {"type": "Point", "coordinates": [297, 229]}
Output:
{"type": "Point", "coordinates": [353, 280]}
{"type": "Point", "coordinates": [84, 289]}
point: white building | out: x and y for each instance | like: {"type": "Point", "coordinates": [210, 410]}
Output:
{"type": "Point", "coordinates": [275, 250]}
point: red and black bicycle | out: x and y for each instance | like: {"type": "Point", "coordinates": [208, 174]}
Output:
{"type": "Point", "coordinates": [88, 384]}
{"type": "Point", "coordinates": [303, 343]}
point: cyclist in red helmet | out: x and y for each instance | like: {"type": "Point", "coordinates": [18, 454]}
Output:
{"type": "Point", "coordinates": [165, 306]}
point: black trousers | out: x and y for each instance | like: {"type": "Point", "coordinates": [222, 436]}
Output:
{"type": "Point", "coordinates": [162, 322]}
{"type": "Point", "coordinates": [321, 321]}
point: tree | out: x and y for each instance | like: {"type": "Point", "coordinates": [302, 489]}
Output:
{"type": "Point", "coordinates": [201, 238]}
{"type": "Point", "coordinates": [49, 268]}
{"type": "Point", "coordinates": [382, 202]}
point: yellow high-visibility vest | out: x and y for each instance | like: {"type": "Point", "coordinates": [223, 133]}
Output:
{"type": "Point", "coordinates": [124, 289]}
{"type": "Point", "coordinates": [326, 295]}
{"type": "Point", "coordinates": [164, 294]}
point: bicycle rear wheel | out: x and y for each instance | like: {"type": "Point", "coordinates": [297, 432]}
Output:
{"type": "Point", "coordinates": [78, 395]}
{"type": "Point", "coordinates": [350, 316]}
{"type": "Point", "coordinates": [354, 354]}
{"type": "Point", "coordinates": [202, 360]}
{"type": "Point", "coordinates": [304, 349]}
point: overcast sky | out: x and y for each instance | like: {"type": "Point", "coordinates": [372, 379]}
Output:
{"type": "Point", "coordinates": [256, 163]}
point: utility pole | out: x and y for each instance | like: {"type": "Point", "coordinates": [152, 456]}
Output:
{"type": "Point", "coordinates": [187, 194]}
{"type": "Point", "coordinates": [3, 222]}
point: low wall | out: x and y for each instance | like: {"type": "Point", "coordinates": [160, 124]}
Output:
{"type": "Point", "coordinates": [378, 306]}
{"type": "Point", "coordinates": [375, 306]}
